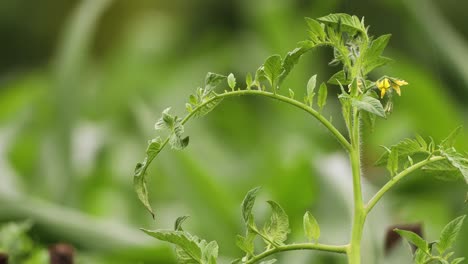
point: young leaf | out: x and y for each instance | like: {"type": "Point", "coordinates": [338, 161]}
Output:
{"type": "Point", "coordinates": [181, 239]}
{"type": "Point", "coordinates": [291, 94]}
{"type": "Point", "coordinates": [369, 104]}
{"type": "Point", "coordinates": [179, 221]}
{"type": "Point", "coordinates": [210, 253]}
{"type": "Point", "coordinates": [350, 24]}
{"type": "Point", "coordinates": [310, 89]}
{"type": "Point", "coordinates": [372, 56]}
{"type": "Point", "coordinates": [166, 121]}
{"type": "Point", "coordinates": [248, 203]}
{"type": "Point", "coordinates": [339, 78]}
{"type": "Point", "coordinates": [212, 80]}
{"type": "Point", "coordinates": [249, 81]}
{"type": "Point", "coordinates": [420, 257]}
{"type": "Point", "coordinates": [449, 234]}
{"type": "Point", "coordinates": [277, 228]}
{"type": "Point", "coordinates": [311, 227]}
{"type": "Point", "coordinates": [406, 147]}
{"type": "Point", "coordinates": [457, 261]}
{"type": "Point", "coordinates": [392, 163]}
{"type": "Point", "coordinates": [272, 69]}
{"type": "Point", "coordinates": [414, 239]}
{"type": "Point", "coordinates": [231, 81]}
{"type": "Point", "coordinates": [449, 141]}
{"type": "Point", "coordinates": [176, 140]}
{"type": "Point", "coordinates": [209, 104]}
{"type": "Point", "coordinates": [316, 32]}
{"type": "Point", "coordinates": [246, 244]}
{"type": "Point", "coordinates": [322, 96]}
{"type": "Point", "coordinates": [458, 161]}
{"type": "Point", "coordinates": [139, 178]}
{"type": "Point", "coordinates": [292, 58]}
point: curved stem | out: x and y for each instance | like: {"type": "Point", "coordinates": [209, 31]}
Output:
{"type": "Point", "coordinates": [282, 98]}
{"type": "Point", "coordinates": [396, 179]}
{"type": "Point", "coordinates": [302, 246]}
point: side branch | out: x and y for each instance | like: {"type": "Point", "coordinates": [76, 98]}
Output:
{"type": "Point", "coordinates": [282, 98]}
{"type": "Point", "coordinates": [396, 179]}
{"type": "Point", "coordinates": [303, 246]}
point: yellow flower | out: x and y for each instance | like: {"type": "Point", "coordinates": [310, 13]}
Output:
{"type": "Point", "coordinates": [383, 86]}
{"type": "Point", "coordinates": [396, 85]}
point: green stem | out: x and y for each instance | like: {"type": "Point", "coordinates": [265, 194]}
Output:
{"type": "Point", "coordinates": [359, 217]}
{"type": "Point", "coordinates": [396, 179]}
{"type": "Point", "coordinates": [344, 142]}
{"type": "Point", "coordinates": [302, 246]}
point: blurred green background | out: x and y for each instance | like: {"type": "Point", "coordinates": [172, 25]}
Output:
{"type": "Point", "coordinates": [83, 82]}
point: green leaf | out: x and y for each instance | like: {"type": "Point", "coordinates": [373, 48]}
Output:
{"type": "Point", "coordinates": [310, 89]}
{"type": "Point", "coordinates": [311, 227]}
{"type": "Point", "coordinates": [246, 244]}
{"type": "Point", "coordinates": [457, 160]}
{"type": "Point", "coordinates": [344, 22]}
{"type": "Point", "coordinates": [277, 228]}
{"type": "Point", "coordinates": [369, 104]}
{"type": "Point", "coordinates": [442, 170]}
{"type": "Point", "coordinates": [272, 69]}
{"type": "Point", "coordinates": [291, 94]}
{"type": "Point", "coordinates": [210, 253]}
{"type": "Point", "coordinates": [406, 147]}
{"type": "Point", "coordinates": [457, 260]}
{"type": "Point", "coordinates": [420, 257]}
{"type": "Point", "coordinates": [373, 64]}
{"type": "Point", "coordinates": [179, 221]}
{"type": "Point", "coordinates": [292, 58]}
{"type": "Point", "coordinates": [248, 203]}
{"type": "Point", "coordinates": [249, 81]}
{"type": "Point", "coordinates": [183, 240]}
{"type": "Point", "coordinates": [449, 234]}
{"type": "Point", "coordinates": [339, 78]}
{"type": "Point", "coordinates": [139, 178]}
{"type": "Point", "coordinates": [166, 121]}
{"type": "Point", "coordinates": [392, 163]}
{"type": "Point", "coordinates": [210, 103]}
{"type": "Point", "coordinates": [322, 96]}
{"type": "Point", "coordinates": [175, 139]}
{"type": "Point", "coordinates": [449, 141]}
{"type": "Point", "coordinates": [414, 239]}
{"type": "Point", "coordinates": [231, 81]}
{"type": "Point", "coordinates": [212, 80]}
{"type": "Point", "coordinates": [372, 56]}
{"type": "Point", "coordinates": [316, 32]}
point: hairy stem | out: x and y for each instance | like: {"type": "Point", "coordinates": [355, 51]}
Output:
{"type": "Point", "coordinates": [354, 250]}
{"type": "Point", "coordinates": [302, 246]}
{"type": "Point", "coordinates": [397, 178]}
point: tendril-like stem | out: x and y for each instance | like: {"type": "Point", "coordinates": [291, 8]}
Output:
{"type": "Point", "coordinates": [303, 246]}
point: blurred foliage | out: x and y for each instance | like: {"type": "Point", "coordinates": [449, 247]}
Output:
{"type": "Point", "coordinates": [82, 83]}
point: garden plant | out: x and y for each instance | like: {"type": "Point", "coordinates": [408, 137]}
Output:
{"type": "Point", "coordinates": [363, 101]}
